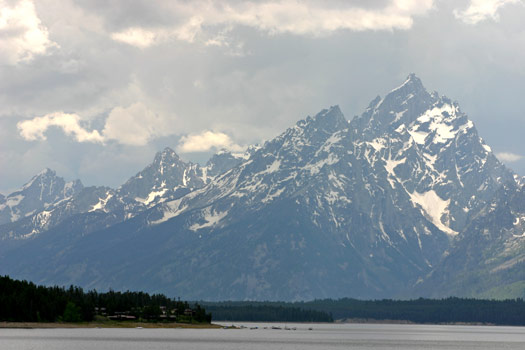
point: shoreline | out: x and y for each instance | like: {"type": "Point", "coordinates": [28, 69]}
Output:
{"type": "Point", "coordinates": [407, 322]}
{"type": "Point", "coordinates": [138, 325]}
{"type": "Point", "coordinates": [49, 325]}
{"type": "Point", "coordinates": [374, 322]}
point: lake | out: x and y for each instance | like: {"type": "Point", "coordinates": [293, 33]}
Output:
{"type": "Point", "coordinates": [320, 336]}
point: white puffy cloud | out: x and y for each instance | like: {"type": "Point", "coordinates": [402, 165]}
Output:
{"type": "Point", "coordinates": [207, 141]}
{"type": "Point", "coordinates": [276, 17]}
{"type": "Point", "coordinates": [22, 35]}
{"type": "Point", "coordinates": [142, 37]}
{"type": "Point", "coordinates": [480, 10]}
{"type": "Point", "coordinates": [509, 156]}
{"type": "Point", "coordinates": [138, 37]}
{"type": "Point", "coordinates": [134, 125]}
{"type": "Point", "coordinates": [34, 129]}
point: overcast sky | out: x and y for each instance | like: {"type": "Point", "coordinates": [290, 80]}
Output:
{"type": "Point", "coordinates": [93, 90]}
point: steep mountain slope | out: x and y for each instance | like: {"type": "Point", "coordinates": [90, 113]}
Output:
{"type": "Point", "coordinates": [489, 259]}
{"type": "Point", "coordinates": [329, 208]}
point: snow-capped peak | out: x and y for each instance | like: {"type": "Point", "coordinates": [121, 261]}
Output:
{"type": "Point", "coordinates": [440, 123]}
{"type": "Point", "coordinates": [400, 106]}
{"type": "Point", "coordinates": [43, 190]}
{"type": "Point", "coordinates": [46, 171]}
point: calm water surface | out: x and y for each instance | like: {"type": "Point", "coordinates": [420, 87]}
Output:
{"type": "Point", "coordinates": [322, 336]}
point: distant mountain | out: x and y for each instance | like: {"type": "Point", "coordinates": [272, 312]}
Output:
{"type": "Point", "coordinates": [224, 160]}
{"type": "Point", "coordinates": [404, 200]}
{"type": "Point", "coordinates": [43, 190]}
{"type": "Point", "coordinates": [168, 177]}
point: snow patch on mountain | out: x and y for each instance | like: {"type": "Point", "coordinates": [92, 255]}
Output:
{"type": "Point", "coordinates": [378, 144]}
{"type": "Point", "coordinates": [317, 166]}
{"type": "Point", "coordinates": [14, 200]}
{"type": "Point", "coordinates": [101, 204]}
{"type": "Point", "coordinates": [151, 196]}
{"type": "Point", "coordinates": [170, 210]}
{"type": "Point", "coordinates": [272, 168]}
{"type": "Point", "coordinates": [390, 166]}
{"type": "Point", "coordinates": [332, 140]}
{"type": "Point", "coordinates": [434, 207]}
{"type": "Point", "coordinates": [272, 195]}
{"type": "Point", "coordinates": [435, 121]}
{"type": "Point", "coordinates": [210, 218]}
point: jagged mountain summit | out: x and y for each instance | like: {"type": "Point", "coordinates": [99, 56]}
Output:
{"type": "Point", "coordinates": [434, 151]}
{"type": "Point", "coordinates": [167, 173]}
{"type": "Point", "coordinates": [375, 207]}
{"type": "Point", "coordinates": [43, 190]}
{"type": "Point", "coordinates": [224, 160]}
{"type": "Point", "coordinates": [168, 177]}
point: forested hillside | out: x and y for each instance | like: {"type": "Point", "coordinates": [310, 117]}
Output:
{"type": "Point", "coordinates": [22, 301]}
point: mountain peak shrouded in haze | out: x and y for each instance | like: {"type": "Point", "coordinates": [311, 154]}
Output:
{"type": "Point", "coordinates": [43, 190]}
{"type": "Point", "coordinates": [168, 177]}
{"type": "Point", "coordinates": [329, 208]}
{"type": "Point", "coordinates": [223, 161]}
{"type": "Point", "coordinates": [411, 89]}
{"type": "Point", "coordinates": [166, 155]}
{"type": "Point", "coordinates": [167, 172]}
{"type": "Point", "coordinates": [43, 176]}
{"type": "Point", "coordinates": [46, 171]}
{"type": "Point", "coordinates": [304, 138]}
{"type": "Point", "coordinates": [412, 83]}
{"type": "Point", "coordinates": [412, 86]}
{"type": "Point", "coordinates": [328, 120]}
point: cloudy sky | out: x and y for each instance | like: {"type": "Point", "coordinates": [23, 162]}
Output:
{"type": "Point", "coordinates": [92, 89]}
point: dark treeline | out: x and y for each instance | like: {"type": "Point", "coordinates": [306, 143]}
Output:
{"type": "Point", "coordinates": [262, 312]}
{"type": "Point", "coordinates": [448, 310]}
{"type": "Point", "coordinates": [22, 301]}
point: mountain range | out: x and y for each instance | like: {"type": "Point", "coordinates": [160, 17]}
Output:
{"type": "Point", "coordinates": [405, 200]}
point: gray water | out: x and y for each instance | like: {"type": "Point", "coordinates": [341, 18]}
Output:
{"type": "Point", "coordinates": [321, 336]}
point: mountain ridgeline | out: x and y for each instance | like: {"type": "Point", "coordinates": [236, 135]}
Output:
{"type": "Point", "coordinates": [405, 200]}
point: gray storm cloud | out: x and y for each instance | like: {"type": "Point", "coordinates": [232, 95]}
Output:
{"type": "Point", "coordinates": [276, 17]}
{"type": "Point", "coordinates": [84, 83]}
